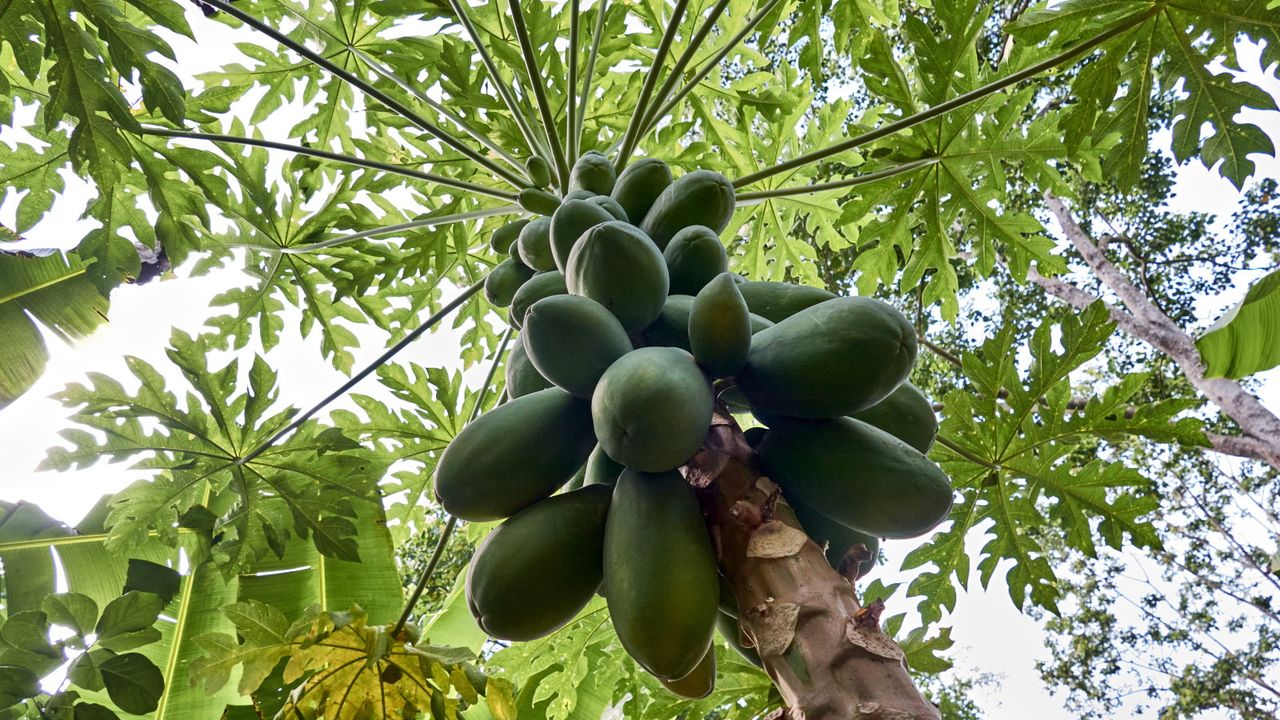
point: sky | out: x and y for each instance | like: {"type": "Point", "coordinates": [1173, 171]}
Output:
{"type": "Point", "coordinates": [990, 633]}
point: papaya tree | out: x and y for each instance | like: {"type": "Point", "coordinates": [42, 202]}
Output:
{"type": "Point", "coordinates": [694, 250]}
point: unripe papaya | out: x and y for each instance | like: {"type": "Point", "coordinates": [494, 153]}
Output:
{"type": "Point", "coordinates": [615, 264]}
{"type": "Point", "coordinates": [777, 301]}
{"type": "Point", "coordinates": [728, 601]}
{"type": "Point", "coordinates": [699, 682]}
{"type": "Point", "coordinates": [671, 328]}
{"type": "Point", "coordinates": [539, 286]}
{"type": "Point", "coordinates": [701, 197]}
{"type": "Point", "coordinates": [522, 377]}
{"type": "Point", "coordinates": [537, 200]}
{"type": "Point", "coordinates": [502, 238]}
{"type": "Point", "coordinates": [694, 256]}
{"type": "Point", "coordinates": [754, 435]}
{"type": "Point", "coordinates": [652, 409]}
{"type": "Point", "coordinates": [720, 328]}
{"type": "Point", "coordinates": [504, 281]}
{"type": "Point", "coordinates": [506, 459]}
{"type": "Point", "coordinates": [572, 340]}
{"type": "Point", "coordinates": [844, 547]}
{"type": "Point", "coordinates": [862, 477]}
{"type": "Point", "coordinates": [535, 571]}
{"type": "Point", "coordinates": [571, 220]}
{"type": "Point", "coordinates": [534, 245]}
{"type": "Point", "coordinates": [610, 206]}
{"type": "Point", "coordinates": [758, 323]}
{"type": "Point", "coordinates": [539, 171]}
{"type": "Point", "coordinates": [728, 627]}
{"type": "Point", "coordinates": [579, 195]}
{"type": "Point", "coordinates": [833, 359]}
{"type": "Point", "coordinates": [639, 186]}
{"type": "Point", "coordinates": [593, 171]}
{"type": "Point", "coordinates": [602, 469]}
{"type": "Point", "coordinates": [578, 480]}
{"type": "Point", "coordinates": [660, 572]}
{"type": "Point", "coordinates": [905, 414]}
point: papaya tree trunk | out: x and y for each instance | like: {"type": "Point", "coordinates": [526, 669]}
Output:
{"type": "Point", "coordinates": [824, 651]}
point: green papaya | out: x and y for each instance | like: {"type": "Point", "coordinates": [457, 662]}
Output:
{"type": "Point", "coordinates": [579, 195]}
{"type": "Point", "coordinates": [571, 220]}
{"type": "Point", "coordinates": [728, 627]}
{"type": "Point", "coordinates": [660, 572]}
{"type": "Point", "coordinates": [754, 435]}
{"type": "Point", "coordinates": [503, 237]}
{"type": "Point", "coordinates": [545, 284]}
{"type": "Point", "coordinates": [862, 477]}
{"type": "Point", "coordinates": [602, 469]}
{"type": "Point", "coordinates": [539, 171]}
{"type": "Point", "coordinates": [535, 571]}
{"type": "Point", "coordinates": [905, 414]}
{"type": "Point", "coordinates": [578, 480]}
{"type": "Point", "coordinates": [572, 340]}
{"type": "Point", "coordinates": [699, 682]}
{"type": "Point", "coordinates": [701, 197]}
{"type": "Point", "coordinates": [522, 377]}
{"type": "Point", "coordinates": [534, 245]}
{"type": "Point", "coordinates": [758, 323]}
{"type": "Point", "coordinates": [720, 328]}
{"type": "Point", "coordinates": [671, 328]}
{"type": "Point", "coordinates": [652, 409]}
{"type": "Point", "coordinates": [833, 359]}
{"type": "Point", "coordinates": [839, 543]}
{"type": "Point", "coordinates": [504, 281]}
{"type": "Point", "coordinates": [639, 186]}
{"type": "Point", "coordinates": [593, 171]}
{"type": "Point", "coordinates": [728, 601]}
{"type": "Point", "coordinates": [610, 206]}
{"type": "Point", "coordinates": [538, 201]}
{"type": "Point", "coordinates": [506, 459]}
{"type": "Point", "coordinates": [777, 301]}
{"type": "Point", "coordinates": [614, 264]}
{"type": "Point", "coordinates": [694, 256]}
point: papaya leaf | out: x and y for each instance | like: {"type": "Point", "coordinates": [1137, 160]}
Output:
{"type": "Point", "coordinates": [1246, 340]}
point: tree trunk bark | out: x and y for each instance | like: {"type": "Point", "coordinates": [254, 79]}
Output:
{"type": "Point", "coordinates": [823, 650]}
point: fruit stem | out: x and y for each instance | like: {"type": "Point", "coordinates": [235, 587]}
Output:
{"type": "Point", "coordinates": [632, 135]}
{"type": "Point", "coordinates": [952, 104]}
{"type": "Point", "coordinates": [447, 531]}
{"type": "Point", "coordinates": [398, 107]}
{"type": "Point", "coordinates": [381, 360]}
{"type": "Point", "coordinates": [570, 118]}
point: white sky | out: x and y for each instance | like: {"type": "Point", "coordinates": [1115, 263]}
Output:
{"type": "Point", "coordinates": [990, 634]}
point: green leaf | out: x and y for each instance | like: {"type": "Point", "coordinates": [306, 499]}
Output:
{"type": "Point", "coordinates": [133, 682]}
{"type": "Point", "coordinates": [52, 289]}
{"type": "Point", "coordinates": [94, 711]}
{"type": "Point", "coordinates": [17, 683]}
{"type": "Point", "coordinates": [72, 610]}
{"type": "Point", "coordinates": [132, 612]}
{"type": "Point", "coordinates": [148, 577]}
{"type": "Point", "coordinates": [85, 671]}
{"type": "Point", "coordinates": [1246, 340]}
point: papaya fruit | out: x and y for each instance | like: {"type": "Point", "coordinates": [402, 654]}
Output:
{"type": "Point", "coordinates": [538, 201]}
{"type": "Point", "coordinates": [720, 328]}
{"type": "Point", "coordinates": [732, 635]}
{"type": "Point", "coordinates": [777, 301]}
{"type": "Point", "coordinates": [593, 171]}
{"type": "Point", "coordinates": [522, 377]}
{"type": "Point", "coordinates": [503, 237]}
{"type": "Point", "coordinates": [573, 218]}
{"type": "Point", "coordinates": [539, 171]}
{"type": "Point", "coordinates": [758, 323]}
{"type": "Point", "coordinates": [905, 414]}
{"type": "Point", "coordinates": [639, 186]}
{"type": "Point", "coordinates": [699, 682]}
{"type": "Point", "coordinates": [579, 195]}
{"type": "Point", "coordinates": [578, 480]}
{"type": "Point", "coordinates": [754, 435]}
{"type": "Point", "coordinates": [671, 327]}
{"type": "Point", "coordinates": [545, 284]}
{"type": "Point", "coordinates": [839, 543]}
{"type": "Point", "coordinates": [694, 256]}
{"type": "Point", "coordinates": [537, 569]}
{"type": "Point", "coordinates": [660, 577]}
{"type": "Point", "coordinates": [602, 469]}
{"type": "Point", "coordinates": [572, 340]}
{"type": "Point", "coordinates": [835, 358]}
{"type": "Point", "coordinates": [701, 197]}
{"type": "Point", "coordinates": [728, 601]}
{"type": "Point", "coordinates": [652, 409]}
{"type": "Point", "coordinates": [611, 206]}
{"type": "Point", "coordinates": [614, 264]}
{"type": "Point", "coordinates": [861, 476]}
{"type": "Point", "coordinates": [504, 280]}
{"type": "Point", "coordinates": [534, 245]}
{"type": "Point", "coordinates": [506, 459]}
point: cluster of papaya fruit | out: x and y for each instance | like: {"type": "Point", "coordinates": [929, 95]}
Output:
{"type": "Point", "coordinates": [632, 332]}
